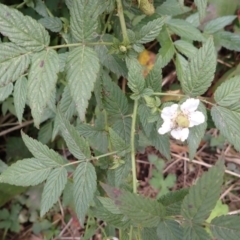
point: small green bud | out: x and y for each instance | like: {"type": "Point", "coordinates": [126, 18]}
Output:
{"type": "Point", "coordinates": [122, 48]}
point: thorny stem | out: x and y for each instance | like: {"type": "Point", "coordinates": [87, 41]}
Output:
{"type": "Point", "coordinates": [182, 96]}
{"type": "Point", "coordinates": [122, 21]}
{"type": "Point", "coordinates": [79, 44]}
{"type": "Point", "coordinates": [89, 159]}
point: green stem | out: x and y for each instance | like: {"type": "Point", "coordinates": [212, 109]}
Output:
{"type": "Point", "coordinates": [182, 96]}
{"type": "Point", "coordinates": [134, 174]}
{"type": "Point", "coordinates": [107, 22]}
{"type": "Point", "coordinates": [122, 21]}
{"type": "Point", "coordinates": [20, 5]}
{"type": "Point", "coordinates": [80, 44]}
{"type": "Point", "coordinates": [89, 159]}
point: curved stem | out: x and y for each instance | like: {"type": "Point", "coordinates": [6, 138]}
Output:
{"type": "Point", "coordinates": [122, 21]}
{"type": "Point", "coordinates": [134, 174]}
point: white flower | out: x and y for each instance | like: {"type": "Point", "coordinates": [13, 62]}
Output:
{"type": "Point", "coordinates": [178, 119]}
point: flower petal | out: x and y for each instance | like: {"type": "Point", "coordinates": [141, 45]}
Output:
{"type": "Point", "coordinates": [196, 118]}
{"type": "Point", "coordinates": [180, 133]}
{"type": "Point", "coordinates": [190, 105]}
{"type": "Point", "coordinates": [166, 127]}
{"type": "Point", "coordinates": [169, 113]}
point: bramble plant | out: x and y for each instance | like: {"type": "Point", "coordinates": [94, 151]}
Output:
{"type": "Point", "coordinates": [72, 83]}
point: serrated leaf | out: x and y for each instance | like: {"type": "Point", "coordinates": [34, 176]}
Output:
{"type": "Point", "coordinates": [150, 31]}
{"type": "Point", "coordinates": [77, 145]}
{"type": "Point", "coordinates": [83, 21]}
{"type": "Point", "coordinates": [154, 77]}
{"type": "Point", "coordinates": [20, 97]}
{"type": "Point", "coordinates": [84, 188]}
{"type": "Point", "coordinates": [114, 100]}
{"type": "Point", "coordinates": [229, 40]}
{"type": "Point", "coordinates": [123, 128]}
{"type": "Point", "coordinates": [228, 92]}
{"type": "Point", "coordinates": [82, 69]}
{"type": "Point", "coordinates": [181, 65]}
{"type": "Point", "coordinates": [40, 8]}
{"type": "Point", "coordinates": [172, 8]}
{"type": "Point", "coordinates": [203, 197]}
{"type": "Point", "coordinates": [54, 24]}
{"type": "Point", "coordinates": [23, 30]}
{"type": "Point", "coordinates": [228, 122]}
{"type": "Point", "coordinates": [53, 188]}
{"type": "Point", "coordinates": [202, 7]}
{"type": "Point", "coordinates": [184, 29]}
{"type": "Point", "coordinates": [173, 200]}
{"type": "Point", "coordinates": [108, 203]}
{"type": "Point", "coordinates": [185, 48]}
{"type": "Point", "coordinates": [161, 143]}
{"type": "Point", "coordinates": [136, 81]}
{"type": "Point", "coordinates": [97, 138]}
{"type": "Point", "coordinates": [14, 61]}
{"type": "Point", "coordinates": [218, 24]}
{"type": "Point", "coordinates": [142, 211]}
{"type": "Point", "coordinates": [144, 112]}
{"type": "Point", "coordinates": [41, 81]}
{"type": "Point", "coordinates": [5, 91]}
{"type": "Point", "coordinates": [149, 234]}
{"type": "Point", "coordinates": [117, 142]}
{"type": "Point", "coordinates": [167, 49]}
{"type": "Point", "coordinates": [170, 230]}
{"type": "Point", "coordinates": [196, 133]}
{"type": "Point", "coordinates": [47, 156]}
{"type": "Point", "coordinates": [26, 172]}
{"type": "Point", "coordinates": [45, 133]}
{"type": "Point", "coordinates": [195, 232]}
{"type": "Point", "coordinates": [62, 61]}
{"type": "Point", "coordinates": [199, 72]}
{"type": "Point", "coordinates": [226, 227]}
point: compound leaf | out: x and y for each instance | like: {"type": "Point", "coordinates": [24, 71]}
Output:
{"type": "Point", "coordinates": [170, 230]}
{"type": "Point", "coordinates": [41, 82]}
{"type": "Point", "coordinates": [5, 91]}
{"type": "Point", "coordinates": [22, 30]}
{"type": "Point", "coordinates": [84, 188]}
{"type": "Point", "coordinates": [26, 172]}
{"type": "Point", "coordinates": [53, 188]}
{"type": "Point", "coordinates": [54, 24]}
{"type": "Point", "coordinates": [82, 69]}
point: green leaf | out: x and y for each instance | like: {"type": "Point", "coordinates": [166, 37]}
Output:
{"type": "Point", "coordinates": [196, 133]}
{"type": "Point", "coordinates": [228, 40]}
{"type": "Point", "coordinates": [83, 21]}
{"type": "Point", "coordinates": [45, 133]}
{"type": "Point", "coordinates": [203, 197]}
{"type": "Point", "coordinates": [53, 188]}
{"type": "Point", "coordinates": [41, 81]}
{"type": "Point", "coordinates": [26, 172]}
{"type": "Point", "coordinates": [181, 65]}
{"type": "Point", "coordinates": [123, 128]}
{"type": "Point", "coordinates": [172, 201]}
{"type": "Point", "coordinates": [202, 7]}
{"type": "Point", "coordinates": [200, 70]}
{"type": "Point", "coordinates": [47, 156]}
{"type": "Point", "coordinates": [82, 69]}
{"type": "Point", "coordinates": [167, 49]}
{"type": "Point", "coordinates": [154, 77]}
{"type": "Point", "coordinates": [149, 31]}
{"type": "Point", "coordinates": [77, 145]}
{"type": "Point", "coordinates": [149, 234]}
{"type": "Point", "coordinates": [22, 30]}
{"type": "Point", "coordinates": [218, 24]}
{"type": "Point", "coordinates": [5, 91]}
{"type": "Point", "coordinates": [20, 97]}
{"type": "Point", "coordinates": [114, 100]}
{"type": "Point", "coordinates": [195, 232]}
{"type": "Point", "coordinates": [226, 227]}
{"type": "Point", "coordinates": [54, 24]}
{"type": "Point", "coordinates": [170, 230]}
{"type": "Point", "coordinates": [144, 113]}
{"type": "Point", "coordinates": [184, 29]}
{"type": "Point", "coordinates": [228, 122]}
{"type": "Point", "coordinates": [117, 142]}
{"type": "Point", "coordinates": [14, 61]}
{"type": "Point", "coordinates": [172, 8]}
{"type": "Point", "coordinates": [84, 188]}
{"type": "Point", "coordinates": [136, 81]}
{"type": "Point", "coordinates": [40, 7]}
{"type": "Point", "coordinates": [185, 48]}
{"type": "Point", "coordinates": [108, 203]}
{"type": "Point", "coordinates": [228, 92]}
{"type": "Point", "coordinates": [142, 211]}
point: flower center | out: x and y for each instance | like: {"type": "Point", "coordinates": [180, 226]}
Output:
{"type": "Point", "coordinates": [182, 121]}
